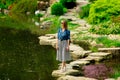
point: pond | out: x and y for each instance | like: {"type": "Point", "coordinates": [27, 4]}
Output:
{"type": "Point", "coordinates": [21, 55]}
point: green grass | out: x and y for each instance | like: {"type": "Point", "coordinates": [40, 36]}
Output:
{"type": "Point", "coordinates": [108, 42]}
{"type": "Point", "coordinates": [72, 26]}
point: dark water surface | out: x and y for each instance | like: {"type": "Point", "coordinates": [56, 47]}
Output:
{"type": "Point", "coordinates": [22, 58]}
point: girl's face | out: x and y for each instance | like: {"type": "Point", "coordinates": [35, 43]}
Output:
{"type": "Point", "coordinates": [62, 24]}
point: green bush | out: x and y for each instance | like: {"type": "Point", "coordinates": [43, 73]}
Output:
{"type": "Point", "coordinates": [102, 10]}
{"type": "Point", "coordinates": [5, 3]}
{"type": "Point", "coordinates": [57, 9]}
{"type": "Point", "coordinates": [85, 11]}
{"type": "Point", "coordinates": [24, 6]}
{"type": "Point", "coordinates": [106, 28]}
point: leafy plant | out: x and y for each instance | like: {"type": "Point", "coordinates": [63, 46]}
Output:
{"type": "Point", "coordinates": [85, 11]}
{"type": "Point", "coordinates": [24, 6]}
{"type": "Point", "coordinates": [92, 0]}
{"type": "Point", "coordinates": [108, 42]}
{"type": "Point", "coordinates": [57, 9]}
{"type": "Point", "coordinates": [106, 28]}
{"type": "Point", "coordinates": [102, 10]}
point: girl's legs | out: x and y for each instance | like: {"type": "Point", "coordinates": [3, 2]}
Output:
{"type": "Point", "coordinates": [63, 66]}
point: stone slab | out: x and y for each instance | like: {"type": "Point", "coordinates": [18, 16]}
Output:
{"type": "Point", "coordinates": [74, 78]}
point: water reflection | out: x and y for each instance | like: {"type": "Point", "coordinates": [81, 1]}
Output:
{"type": "Point", "coordinates": [22, 58]}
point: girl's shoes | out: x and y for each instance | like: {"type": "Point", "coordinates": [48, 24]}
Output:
{"type": "Point", "coordinates": [63, 69]}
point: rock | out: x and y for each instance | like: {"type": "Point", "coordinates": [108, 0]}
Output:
{"type": "Point", "coordinates": [77, 54]}
{"type": "Point", "coordinates": [100, 54]}
{"type": "Point", "coordinates": [74, 47]}
{"type": "Point", "coordinates": [97, 59]}
{"type": "Point", "coordinates": [46, 24]}
{"type": "Point", "coordinates": [118, 78]}
{"type": "Point", "coordinates": [58, 73]}
{"type": "Point", "coordinates": [52, 2]}
{"type": "Point", "coordinates": [67, 77]}
{"type": "Point", "coordinates": [42, 5]}
{"type": "Point", "coordinates": [37, 23]}
{"type": "Point", "coordinates": [110, 79]}
{"type": "Point", "coordinates": [54, 35]}
{"type": "Point", "coordinates": [70, 18]}
{"type": "Point", "coordinates": [79, 62]}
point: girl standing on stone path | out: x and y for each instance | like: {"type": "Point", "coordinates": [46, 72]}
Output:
{"type": "Point", "coordinates": [62, 45]}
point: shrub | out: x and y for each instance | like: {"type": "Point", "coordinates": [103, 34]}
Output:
{"type": "Point", "coordinates": [92, 0]}
{"type": "Point", "coordinates": [102, 10]}
{"type": "Point", "coordinates": [57, 9]}
{"type": "Point", "coordinates": [106, 28]}
{"type": "Point", "coordinates": [68, 3]}
{"type": "Point", "coordinates": [24, 6]}
{"type": "Point", "coordinates": [85, 11]}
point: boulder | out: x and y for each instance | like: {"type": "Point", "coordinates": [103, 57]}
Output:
{"type": "Point", "coordinates": [58, 73]}
{"type": "Point", "coordinates": [80, 54]}
{"type": "Point", "coordinates": [101, 54]}
{"type": "Point", "coordinates": [46, 24]}
{"type": "Point", "coordinates": [74, 78]}
{"type": "Point", "coordinates": [79, 62]}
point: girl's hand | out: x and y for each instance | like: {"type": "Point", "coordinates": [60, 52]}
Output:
{"type": "Point", "coordinates": [57, 48]}
{"type": "Point", "coordinates": [67, 48]}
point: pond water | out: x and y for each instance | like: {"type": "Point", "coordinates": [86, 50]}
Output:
{"type": "Point", "coordinates": [21, 55]}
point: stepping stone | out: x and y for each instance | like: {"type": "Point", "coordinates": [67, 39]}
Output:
{"type": "Point", "coordinates": [67, 77]}
{"type": "Point", "coordinates": [100, 54]}
{"type": "Point", "coordinates": [79, 54]}
{"type": "Point", "coordinates": [54, 35]}
{"type": "Point", "coordinates": [58, 73]}
{"type": "Point", "coordinates": [97, 59]}
{"type": "Point", "coordinates": [79, 62]}
{"type": "Point", "coordinates": [74, 47]}
{"type": "Point", "coordinates": [110, 79]}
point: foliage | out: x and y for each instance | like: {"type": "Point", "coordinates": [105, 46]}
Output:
{"type": "Point", "coordinates": [92, 0]}
{"type": "Point", "coordinates": [57, 9]}
{"type": "Point", "coordinates": [106, 28]}
{"type": "Point", "coordinates": [5, 3]}
{"type": "Point", "coordinates": [98, 71]}
{"type": "Point", "coordinates": [24, 6]}
{"type": "Point", "coordinates": [108, 42]}
{"type": "Point", "coordinates": [102, 10]}
{"type": "Point", "coordinates": [85, 11]}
